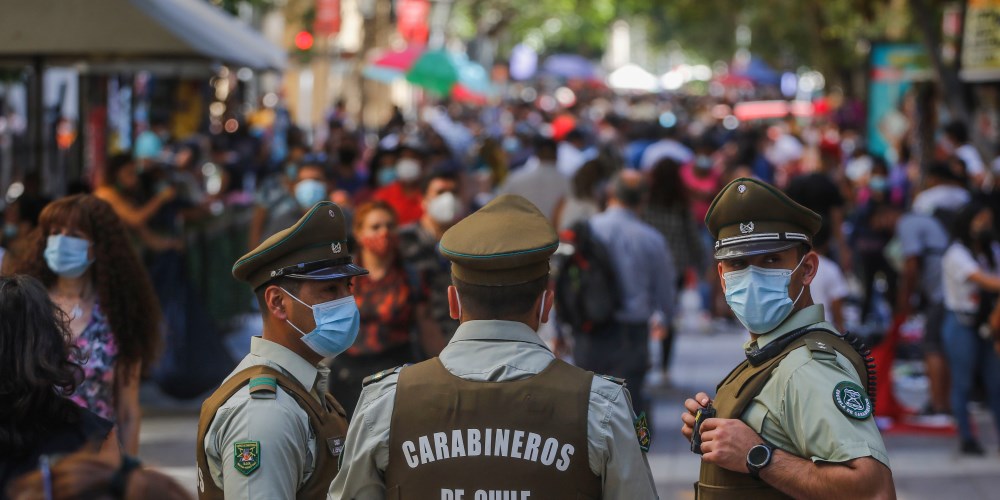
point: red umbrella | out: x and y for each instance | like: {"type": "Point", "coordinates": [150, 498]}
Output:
{"type": "Point", "coordinates": [402, 60]}
{"type": "Point", "coordinates": [462, 94]}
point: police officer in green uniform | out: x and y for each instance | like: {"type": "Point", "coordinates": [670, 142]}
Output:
{"type": "Point", "coordinates": [272, 430]}
{"type": "Point", "coordinates": [795, 418]}
{"type": "Point", "coordinates": [496, 415]}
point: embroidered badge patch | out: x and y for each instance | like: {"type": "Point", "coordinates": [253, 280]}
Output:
{"type": "Point", "coordinates": [852, 401]}
{"type": "Point", "coordinates": [246, 456]}
{"type": "Point", "coordinates": [642, 431]}
{"type": "Point", "coordinates": [336, 445]}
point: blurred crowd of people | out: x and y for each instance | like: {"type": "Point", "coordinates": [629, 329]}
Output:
{"type": "Point", "coordinates": [902, 242]}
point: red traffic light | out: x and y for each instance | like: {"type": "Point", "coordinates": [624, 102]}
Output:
{"type": "Point", "coordinates": [303, 40]}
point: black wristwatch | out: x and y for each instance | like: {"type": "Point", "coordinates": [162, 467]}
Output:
{"type": "Point", "coordinates": [759, 457]}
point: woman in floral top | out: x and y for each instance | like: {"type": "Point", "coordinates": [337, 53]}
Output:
{"type": "Point", "coordinates": [387, 303]}
{"type": "Point", "coordinates": [81, 252]}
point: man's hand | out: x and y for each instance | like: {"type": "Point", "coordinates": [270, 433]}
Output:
{"type": "Point", "coordinates": [692, 406]}
{"type": "Point", "coordinates": [726, 441]}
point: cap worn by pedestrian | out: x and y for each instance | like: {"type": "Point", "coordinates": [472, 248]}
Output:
{"type": "Point", "coordinates": [507, 242]}
{"type": "Point", "coordinates": [314, 248]}
{"type": "Point", "coordinates": [750, 217]}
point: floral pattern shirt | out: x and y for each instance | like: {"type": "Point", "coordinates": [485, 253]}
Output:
{"type": "Point", "coordinates": [98, 353]}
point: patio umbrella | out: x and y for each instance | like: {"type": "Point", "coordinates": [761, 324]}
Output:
{"type": "Point", "coordinates": [400, 59]}
{"type": "Point", "coordinates": [440, 72]}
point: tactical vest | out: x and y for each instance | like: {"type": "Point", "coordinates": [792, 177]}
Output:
{"type": "Point", "coordinates": [329, 426]}
{"type": "Point", "coordinates": [745, 382]}
{"type": "Point", "coordinates": [519, 439]}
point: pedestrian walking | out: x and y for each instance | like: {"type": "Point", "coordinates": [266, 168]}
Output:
{"type": "Point", "coordinates": [795, 418]}
{"type": "Point", "coordinates": [418, 246]}
{"type": "Point", "coordinates": [647, 285]}
{"type": "Point", "coordinates": [386, 299]}
{"type": "Point", "coordinates": [971, 280]}
{"type": "Point", "coordinates": [271, 430]}
{"type": "Point", "coordinates": [80, 251]}
{"type": "Point", "coordinates": [496, 412]}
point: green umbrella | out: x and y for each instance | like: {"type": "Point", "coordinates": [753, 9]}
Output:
{"type": "Point", "coordinates": [439, 71]}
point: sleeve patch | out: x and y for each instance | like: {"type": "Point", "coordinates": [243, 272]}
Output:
{"type": "Point", "coordinates": [246, 456]}
{"type": "Point", "coordinates": [852, 401]}
{"type": "Point", "coordinates": [641, 424]}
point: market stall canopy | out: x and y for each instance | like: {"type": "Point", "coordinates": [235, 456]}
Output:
{"type": "Point", "coordinates": [633, 77]}
{"type": "Point", "coordinates": [118, 30]}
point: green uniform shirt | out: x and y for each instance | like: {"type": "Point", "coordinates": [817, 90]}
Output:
{"type": "Point", "coordinates": [796, 411]}
{"type": "Point", "coordinates": [287, 441]}
{"type": "Point", "coordinates": [498, 351]}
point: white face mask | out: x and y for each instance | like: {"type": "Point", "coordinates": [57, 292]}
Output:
{"type": "Point", "coordinates": [443, 208]}
{"type": "Point", "coordinates": [407, 170]}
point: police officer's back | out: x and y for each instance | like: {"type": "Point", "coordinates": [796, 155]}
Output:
{"type": "Point", "coordinates": [271, 430]}
{"type": "Point", "coordinates": [795, 418]}
{"type": "Point", "coordinates": [496, 414]}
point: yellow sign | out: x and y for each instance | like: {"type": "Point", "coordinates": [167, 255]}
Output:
{"type": "Point", "coordinates": [981, 41]}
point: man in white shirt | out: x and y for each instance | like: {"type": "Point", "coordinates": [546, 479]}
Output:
{"type": "Point", "coordinates": [830, 288]}
{"type": "Point", "coordinates": [543, 185]}
{"type": "Point", "coordinates": [957, 137]}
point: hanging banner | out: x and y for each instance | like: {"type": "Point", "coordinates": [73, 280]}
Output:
{"type": "Point", "coordinates": [327, 17]}
{"type": "Point", "coordinates": [981, 41]}
{"type": "Point", "coordinates": [412, 18]}
{"type": "Point", "coordinates": [894, 69]}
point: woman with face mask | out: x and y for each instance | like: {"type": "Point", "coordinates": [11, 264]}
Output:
{"type": "Point", "coordinates": [385, 300]}
{"type": "Point", "coordinates": [81, 253]}
{"type": "Point", "coordinates": [971, 284]}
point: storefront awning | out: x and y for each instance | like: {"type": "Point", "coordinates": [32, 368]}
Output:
{"type": "Point", "coordinates": [131, 30]}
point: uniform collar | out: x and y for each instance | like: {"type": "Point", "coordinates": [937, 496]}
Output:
{"type": "Point", "coordinates": [512, 331]}
{"type": "Point", "coordinates": [300, 369]}
{"type": "Point", "coordinates": [805, 317]}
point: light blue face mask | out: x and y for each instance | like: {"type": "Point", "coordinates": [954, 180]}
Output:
{"type": "Point", "coordinates": [67, 256]}
{"type": "Point", "coordinates": [878, 183]}
{"type": "Point", "coordinates": [759, 297]}
{"type": "Point", "coordinates": [337, 325]}
{"type": "Point", "coordinates": [386, 176]}
{"type": "Point", "coordinates": [309, 192]}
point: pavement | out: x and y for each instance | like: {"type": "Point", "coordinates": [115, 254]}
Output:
{"type": "Point", "coordinates": [925, 466]}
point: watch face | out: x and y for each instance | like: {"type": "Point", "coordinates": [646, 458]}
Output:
{"type": "Point", "coordinates": [759, 456]}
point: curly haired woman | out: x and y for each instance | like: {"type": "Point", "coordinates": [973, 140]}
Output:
{"type": "Point", "coordinates": [36, 373]}
{"type": "Point", "coordinates": [81, 253]}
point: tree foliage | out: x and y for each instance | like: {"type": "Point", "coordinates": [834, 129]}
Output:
{"type": "Point", "coordinates": [824, 34]}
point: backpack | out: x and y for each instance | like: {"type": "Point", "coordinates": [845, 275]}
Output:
{"type": "Point", "coordinates": [587, 294]}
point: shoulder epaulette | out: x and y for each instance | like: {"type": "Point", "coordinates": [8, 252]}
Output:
{"type": "Point", "coordinates": [820, 346]}
{"type": "Point", "coordinates": [375, 377]}
{"type": "Point", "coordinates": [609, 378]}
{"type": "Point", "coordinates": [263, 387]}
